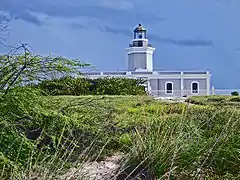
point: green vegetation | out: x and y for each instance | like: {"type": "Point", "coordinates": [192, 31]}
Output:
{"type": "Point", "coordinates": [100, 86]}
{"type": "Point", "coordinates": [27, 68]}
{"type": "Point", "coordinates": [42, 136]}
{"type": "Point", "coordinates": [215, 100]}
{"type": "Point", "coordinates": [163, 140]}
{"type": "Point", "coordinates": [234, 93]}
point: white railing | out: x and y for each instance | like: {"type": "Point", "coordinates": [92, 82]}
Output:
{"type": "Point", "coordinates": [223, 91]}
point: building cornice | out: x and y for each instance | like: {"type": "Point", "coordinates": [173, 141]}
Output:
{"type": "Point", "coordinates": [131, 50]}
{"type": "Point", "coordinates": [149, 75]}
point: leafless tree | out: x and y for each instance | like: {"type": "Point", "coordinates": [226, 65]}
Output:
{"type": "Point", "coordinates": [4, 25]}
{"type": "Point", "coordinates": [20, 67]}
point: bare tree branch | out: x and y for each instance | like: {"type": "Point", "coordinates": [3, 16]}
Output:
{"type": "Point", "coordinates": [4, 29]}
{"type": "Point", "coordinates": [3, 25]}
{"type": "Point", "coordinates": [21, 67]}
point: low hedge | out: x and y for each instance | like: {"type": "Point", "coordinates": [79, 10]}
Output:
{"type": "Point", "coordinates": [100, 86]}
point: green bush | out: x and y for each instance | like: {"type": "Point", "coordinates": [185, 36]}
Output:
{"type": "Point", "coordinates": [235, 99]}
{"type": "Point", "coordinates": [216, 99]}
{"type": "Point", "coordinates": [100, 86]}
{"type": "Point", "coordinates": [194, 101]}
{"type": "Point", "coordinates": [234, 93]}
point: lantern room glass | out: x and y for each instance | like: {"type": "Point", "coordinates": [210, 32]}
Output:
{"type": "Point", "coordinates": [140, 32]}
{"type": "Point", "coordinates": [140, 35]}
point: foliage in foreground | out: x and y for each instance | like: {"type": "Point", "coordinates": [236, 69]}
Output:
{"type": "Point", "coordinates": [197, 142]}
{"type": "Point", "coordinates": [215, 100]}
{"type": "Point", "coordinates": [100, 86]}
{"type": "Point", "coordinates": [20, 67]}
{"type": "Point", "coordinates": [62, 139]}
{"type": "Point", "coordinates": [160, 140]}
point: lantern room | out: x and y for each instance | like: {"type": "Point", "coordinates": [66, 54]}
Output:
{"type": "Point", "coordinates": [140, 32]}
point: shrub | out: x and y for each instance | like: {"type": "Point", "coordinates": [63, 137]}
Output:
{"type": "Point", "coordinates": [100, 86]}
{"type": "Point", "coordinates": [216, 99]}
{"type": "Point", "coordinates": [234, 93]}
{"type": "Point", "coordinates": [194, 101]}
{"type": "Point", "coordinates": [65, 86]}
{"type": "Point", "coordinates": [235, 99]}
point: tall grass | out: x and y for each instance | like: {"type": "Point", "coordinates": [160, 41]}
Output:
{"type": "Point", "coordinates": [193, 144]}
{"type": "Point", "coordinates": [43, 165]}
{"type": "Point", "coordinates": [75, 142]}
{"type": "Point", "coordinates": [161, 141]}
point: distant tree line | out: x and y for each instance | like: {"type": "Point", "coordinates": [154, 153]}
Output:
{"type": "Point", "coordinates": [83, 86]}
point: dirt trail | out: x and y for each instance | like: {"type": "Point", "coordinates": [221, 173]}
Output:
{"type": "Point", "coordinates": [103, 170]}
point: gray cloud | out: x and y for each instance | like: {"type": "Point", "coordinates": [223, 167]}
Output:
{"type": "Point", "coordinates": [154, 37]}
{"type": "Point", "coordinates": [125, 32]}
{"type": "Point", "coordinates": [117, 17]}
{"type": "Point", "coordinates": [4, 26]}
{"type": "Point", "coordinates": [116, 4]}
{"type": "Point", "coordinates": [4, 18]}
{"type": "Point", "coordinates": [72, 9]}
{"type": "Point", "coordinates": [27, 16]}
{"type": "Point", "coordinates": [182, 42]}
{"type": "Point", "coordinates": [79, 26]}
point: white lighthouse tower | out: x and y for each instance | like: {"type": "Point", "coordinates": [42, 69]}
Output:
{"type": "Point", "coordinates": [140, 52]}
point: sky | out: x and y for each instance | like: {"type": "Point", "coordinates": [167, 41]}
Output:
{"type": "Point", "coordinates": [187, 34]}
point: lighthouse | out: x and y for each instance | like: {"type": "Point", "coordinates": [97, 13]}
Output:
{"type": "Point", "coordinates": [140, 52]}
{"type": "Point", "coordinates": [161, 84]}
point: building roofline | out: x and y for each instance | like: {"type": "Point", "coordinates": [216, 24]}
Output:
{"type": "Point", "coordinates": [144, 72]}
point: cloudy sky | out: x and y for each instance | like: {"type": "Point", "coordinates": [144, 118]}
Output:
{"type": "Point", "coordinates": [187, 34]}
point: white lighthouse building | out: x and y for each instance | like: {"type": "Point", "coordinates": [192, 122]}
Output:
{"type": "Point", "coordinates": [140, 52]}
{"type": "Point", "coordinates": [158, 83]}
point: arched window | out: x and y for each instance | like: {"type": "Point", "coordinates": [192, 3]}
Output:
{"type": "Point", "coordinates": [168, 87]}
{"type": "Point", "coordinates": [195, 88]}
